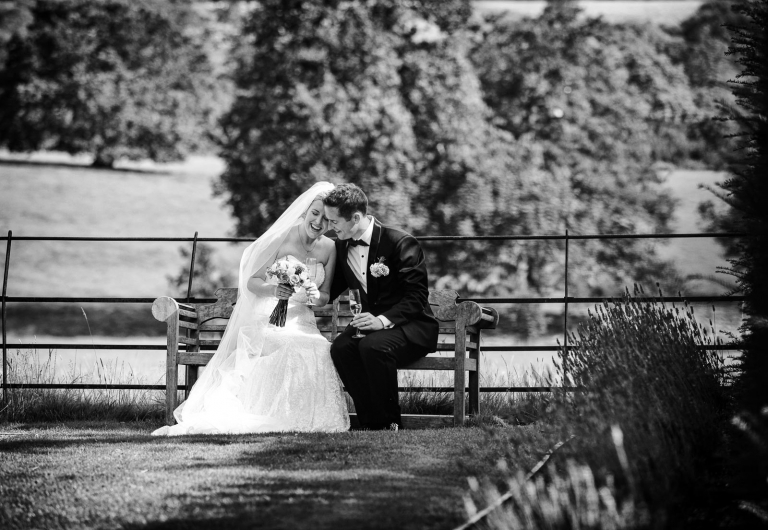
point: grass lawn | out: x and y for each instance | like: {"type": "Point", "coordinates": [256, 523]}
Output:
{"type": "Point", "coordinates": [110, 475]}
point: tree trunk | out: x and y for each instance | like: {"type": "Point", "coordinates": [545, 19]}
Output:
{"type": "Point", "coordinates": [103, 160]}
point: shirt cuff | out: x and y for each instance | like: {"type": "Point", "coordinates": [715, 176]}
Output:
{"type": "Point", "coordinates": [386, 322]}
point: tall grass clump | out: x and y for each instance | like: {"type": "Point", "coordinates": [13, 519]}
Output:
{"type": "Point", "coordinates": [646, 416]}
{"type": "Point", "coordinates": [516, 408]}
{"type": "Point", "coordinates": [569, 498]}
{"type": "Point", "coordinates": [27, 405]}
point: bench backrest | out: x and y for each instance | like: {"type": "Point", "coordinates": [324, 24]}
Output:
{"type": "Point", "coordinates": [332, 319]}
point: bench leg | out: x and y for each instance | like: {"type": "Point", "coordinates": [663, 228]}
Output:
{"type": "Point", "coordinates": [459, 375]}
{"type": "Point", "coordinates": [459, 397]}
{"type": "Point", "coordinates": [191, 378]}
{"type": "Point", "coordinates": [474, 377]}
{"type": "Point", "coordinates": [192, 370]}
{"type": "Point", "coordinates": [171, 368]}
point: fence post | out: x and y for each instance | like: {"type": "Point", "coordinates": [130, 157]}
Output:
{"type": "Point", "coordinates": [565, 314]}
{"type": "Point", "coordinates": [192, 268]}
{"type": "Point", "coordinates": [5, 339]}
{"type": "Point", "coordinates": [190, 374]}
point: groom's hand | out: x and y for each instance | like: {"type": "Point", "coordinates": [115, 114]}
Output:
{"type": "Point", "coordinates": [367, 322]}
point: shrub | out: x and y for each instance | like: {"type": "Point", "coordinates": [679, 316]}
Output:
{"type": "Point", "coordinates": [642, 368]}
{"type": "Point", "coordinates": [646, 416]}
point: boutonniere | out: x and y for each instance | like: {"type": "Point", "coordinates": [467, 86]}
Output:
{"type": "Point", "coordinates": [378, 269]}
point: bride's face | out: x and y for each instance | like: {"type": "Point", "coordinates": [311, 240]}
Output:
{"type": "Point", "coordinates": [315, 221]}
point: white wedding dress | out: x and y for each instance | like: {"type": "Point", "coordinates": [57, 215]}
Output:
{"type": "Point", "coordinates": [276, 379]}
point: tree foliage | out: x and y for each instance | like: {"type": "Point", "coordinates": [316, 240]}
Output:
{"type": "Point", "coordinates": [748, 194]}
{"type": "Point", "coordinates": [114, 78]}
{"type": "Point", "coordinates": [597, 104]}
{"type": "Point", "coordinates": [701, 48]}
{"type": "Point", "coordinates": [207, 277]}
{"type": "Point", "coordinates": [15, 17]}
{"type": "Point", "coordinates": [457, 126]}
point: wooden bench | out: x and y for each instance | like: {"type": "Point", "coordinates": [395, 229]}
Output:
{"type": "Point", "coordinates": [461, 320]}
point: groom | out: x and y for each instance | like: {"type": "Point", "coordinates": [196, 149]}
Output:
{"type": "Point", "coordinates": [387, 266]}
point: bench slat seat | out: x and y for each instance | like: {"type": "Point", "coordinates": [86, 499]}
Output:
{"type": "Point", "coordinates": [215, 342]}
{"type": "Point", "coordinates": [462, 322]}
{"type": "Point", "coordinates": [213, 327]}
{"type": "Point", "coordinates": [201, 358]}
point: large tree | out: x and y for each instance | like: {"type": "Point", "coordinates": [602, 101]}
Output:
{"type": "Point", "coordinates": [114, 78]}
{"type": "Point", "coordinates": [460, 128]}
{"type": "Point", "coordinates": [603, 105]}
{"type": "Point", "coordinates": [701, 50]}
{"type": "Point", "coordinates": [15, 17]}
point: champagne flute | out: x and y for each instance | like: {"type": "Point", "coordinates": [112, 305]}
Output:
{"type": "Point", "coordinates": [311, 264]}
{"type": "Point", "coordinates": [356, 306]}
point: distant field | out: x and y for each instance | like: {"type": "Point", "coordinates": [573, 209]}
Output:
{"type": "Point", "coordinates": [666, 12]}
{"type": "Point", "coordinates": [56, 200]}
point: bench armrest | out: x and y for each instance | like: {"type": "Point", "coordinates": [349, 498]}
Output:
{"type": "Point", "coordinates": [164, 307]}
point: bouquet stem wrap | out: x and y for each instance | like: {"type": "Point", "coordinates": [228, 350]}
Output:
{"type": "Point", "coordinates": [290, 274]}
{"type": "Point", "coordinates": [278, 314]}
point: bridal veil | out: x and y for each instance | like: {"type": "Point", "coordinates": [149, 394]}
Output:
{"type": "Point", "coordinates": [250, 309]}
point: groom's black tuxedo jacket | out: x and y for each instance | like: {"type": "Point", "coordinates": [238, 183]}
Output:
{"type": "Point", "coordinates": [402, 295]}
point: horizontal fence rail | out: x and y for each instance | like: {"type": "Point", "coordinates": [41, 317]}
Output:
{"type": "Point", "coordinates": [564, 300]}
{"type": "Point", "coordinates": [497, 300]}
{"type": "Point", "coordinates": [511, 237]}
{"type": "Point", "coordinates": [120, 386]}
{"type": "Point", "coordinates": [162, 347]}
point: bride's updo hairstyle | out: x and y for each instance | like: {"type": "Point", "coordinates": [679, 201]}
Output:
{"type": "Point", "coordinates": [349, 199]}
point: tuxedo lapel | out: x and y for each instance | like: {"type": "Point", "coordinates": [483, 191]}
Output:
{"type": "Point", "coordinates": [343, 259]}
{"type": "Point", "coordinates": [373, 284]}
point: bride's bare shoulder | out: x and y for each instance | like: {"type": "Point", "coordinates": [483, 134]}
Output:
{"type": "Point", "coordinates": [328, 245]}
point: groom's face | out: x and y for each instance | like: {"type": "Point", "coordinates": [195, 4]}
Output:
{"type": "Point", "coordinates": [344, 228]}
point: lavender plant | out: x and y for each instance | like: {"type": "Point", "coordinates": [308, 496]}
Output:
{"type": "Point", "coordinates": [643, 365]}
{"type": "Point", "coordinates": [645, 416]}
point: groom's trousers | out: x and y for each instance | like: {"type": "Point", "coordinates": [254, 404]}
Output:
{"type": "Point", "coordinates": [368, 369]}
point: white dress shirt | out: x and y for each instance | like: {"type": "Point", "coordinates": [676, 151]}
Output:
{"type": "Point", "coordinates": [357, 258]}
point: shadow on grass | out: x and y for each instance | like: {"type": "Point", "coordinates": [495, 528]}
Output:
{"type": "Point", "coordinates": [279, 480]}
{"type": "Point", "coordinates": [350, 498]}
{"type": "Point", "coordinates": [374, 502]}
{"type": "Point", "coordinates": [103, 433]}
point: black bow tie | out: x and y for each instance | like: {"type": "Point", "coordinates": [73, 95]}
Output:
{"type": "Point", "coordinates": [356, 242]}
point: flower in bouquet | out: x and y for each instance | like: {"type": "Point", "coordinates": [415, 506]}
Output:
{"type": "Point", "coordinates": [294, 275]}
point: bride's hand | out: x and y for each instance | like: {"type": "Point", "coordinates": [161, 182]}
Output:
{"type": "Point", "coordinates": [312, 291]}
{"type": "Point", "coordinates": [283, 292]}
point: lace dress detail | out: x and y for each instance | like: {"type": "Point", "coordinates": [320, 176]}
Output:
{"type": "Point", "coordinates": [277, 379]}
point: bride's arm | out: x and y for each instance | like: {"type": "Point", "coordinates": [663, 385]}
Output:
{"type": "Point", "coordinates": [325, 289]}
{"type": "Point", "coordinates": [259, 286]}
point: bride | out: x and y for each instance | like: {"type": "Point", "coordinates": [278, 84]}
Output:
{"type": "Point", "coordinates": [264, 378]}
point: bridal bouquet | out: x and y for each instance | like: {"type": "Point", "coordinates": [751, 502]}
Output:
{"type": "Point", "coordinates": [287, 273]}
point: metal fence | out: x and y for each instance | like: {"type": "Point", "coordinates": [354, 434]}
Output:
{"type": "Point", "coordinates": [565, 300]}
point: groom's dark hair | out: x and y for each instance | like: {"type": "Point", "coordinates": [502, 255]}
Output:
{"type": "Point", "coordinates": [349, 199]}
